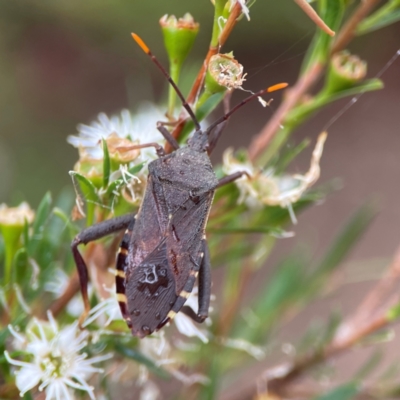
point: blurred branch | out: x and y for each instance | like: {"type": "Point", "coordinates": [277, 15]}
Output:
{"type": "Point", "coordinates": [366, 320]}
{"type": "Point", "coordinates": [346, 34]}
{"type": "Point", "coordinates": [314, 16]}
{"type": "Point", "coordinates": [293, 96]}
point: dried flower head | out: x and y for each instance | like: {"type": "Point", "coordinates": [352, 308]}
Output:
{"type": "Point", "coordinates": [264, 188]}
{"type": "Point", "coordinates": [186, 22]}
{"type": "Point", "coordinates": [226, 71]}
{"type": "Point", "coordinates": [349, 66]}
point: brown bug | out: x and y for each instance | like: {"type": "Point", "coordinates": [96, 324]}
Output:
{"type": "Point", "coordinates": [164, 248]}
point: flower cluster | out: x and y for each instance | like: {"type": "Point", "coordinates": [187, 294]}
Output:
{"type": "Point", "coordinates": [57, 363]}
{"type": "Point", "coordinates": [138, 128]}
{"type": "Point", "coordinates": [259, 188]}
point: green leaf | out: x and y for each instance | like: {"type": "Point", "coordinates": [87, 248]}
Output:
{"type": "Point", "coordinates": [331, 11]}
{"type": "Point", "coordinates": [287, 155]}
{"type": "Point", "coordinates": [106, 164]}
{"type": "Point", "coordinates": [66, 219]}
{"type": "Point", "coordinates": [347, 238]}
{"type": "Point", "coordinates": [41, 218]}
{"type": "Point", "coordinates": [299, 114]}
{"type": "Point", "coordinates": [86, 195]}
{"type": "Point", "coordinates": [393, 313]}
{"type": "Point", "coordinates": [20, 266]}
{"type": "Point", "coordinates": [114, 186]}
{"type": "Point", "coordinates": [135, 355]}
{"type": "Point", "coordinates": [276, 232]}
{"type": "Point", "coordinates": [386, 15]}
{"type": "Point", "coordinates": [370, 365]}
{"type": "Point", "coordinates": [345, 392]}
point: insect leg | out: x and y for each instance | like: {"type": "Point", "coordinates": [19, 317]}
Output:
{"type": "Point", "coordinates": [232, 177]}
{"type": "Point", "coordinates": [120, 272]}
{"type": "Point", "coordinates": [167, 135]}
{"type": "Point", "coordinates": [88, 235]}
{"type": "Point", "coordinates": [159, 149]}
{"type": "Point", "coordinates": [204, 288]}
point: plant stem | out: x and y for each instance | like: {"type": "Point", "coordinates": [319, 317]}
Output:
{"type": "Point", "coordinates": [293, 96]}
{"type": "Point", "coordinates": [314, 16]}
{"type": "Point", "coordinates": [198, 83]}
{"type": "Point", "coordinates": [369, 318]}
{"type": "Point", "coordinates": [347, 33]}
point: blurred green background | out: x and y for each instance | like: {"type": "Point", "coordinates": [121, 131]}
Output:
{"type": "Point", "coordinates": [62, 62]}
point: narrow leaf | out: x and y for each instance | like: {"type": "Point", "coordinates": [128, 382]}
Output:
{"type": "Point", "coordinates": [347, 238]}
{"type": "Point", "coordinates": [133, 354]}
{"type": "Point", "coordinates": [86, 195]}
{"type": "Point", "coordinates": [41, 218]}
{"type": "Point", "coordinates": [106, 164]}
{"type": "Point", "coordinates": [345, 392]}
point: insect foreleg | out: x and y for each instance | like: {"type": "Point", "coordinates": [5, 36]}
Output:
{"type": "Point", "coordinates": [88, 235]}
{"type": "Point", "coordinates": [232, 177]}
{"type": "Point", "coordinates": [204, 288]}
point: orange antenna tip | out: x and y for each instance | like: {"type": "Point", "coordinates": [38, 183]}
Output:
{"type": "Point", "coordinates": [140, 42]}
{"type": "Point", "coordinates": [276, 87]}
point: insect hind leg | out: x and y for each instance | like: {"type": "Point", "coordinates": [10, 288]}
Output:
{"type": "Point", "coordinates": [120, 273]}
{"type": "Point", "coordinates": [202, 270]}
{"type": "Point", "coordinates": [204, 288]}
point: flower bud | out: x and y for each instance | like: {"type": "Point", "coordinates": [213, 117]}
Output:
{"type": "Point", "coordinates": [345, 71]}
{"type": "Point", "coordinates": [179, 35]}
{"type": "Point", "coordinates": [12, 221]}
{"type": "Point", "coordinates": [90, 168]}
{"type": "Point", "coordinates": [224, 73]}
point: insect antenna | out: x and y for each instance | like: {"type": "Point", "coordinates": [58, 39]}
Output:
{"type": "Point", "coordinates": [185, 104]}
{"type": "Point", "coordinates": [269, 89]}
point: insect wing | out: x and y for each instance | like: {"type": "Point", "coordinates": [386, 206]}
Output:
{"type": "Point", "coordinates": [150, 291]}
{"type": "Point", "coordinates": [184, 237]}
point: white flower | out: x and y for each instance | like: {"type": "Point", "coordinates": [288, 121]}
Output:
{"type": "Point", "coordinates": [264, 188]}
{"type": "Point", "coordinates": [57, 364]}
{"type": "Point", "coordinates": [108, 307]}
{"type": "Point", "coordinates": [139, 127]}
{"type": "Point", "coordinates": [186, 325]}
{"type": "Point", "coordinates": [158, 349]}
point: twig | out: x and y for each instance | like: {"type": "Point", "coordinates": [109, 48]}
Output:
{"type": "Point", "coordinates": [314, 16]}
{"type": "Point", "coordinates": [381, 291]}
{"type": "Point", "coordinates": [347, 335]}
{"type": "Point", "coordinates": [198, 83]}
{"type": "Point", "coordinates": [69, 293]}
{"type": "Point", "coordinates": [293, 96]}
{"type": "Point", "coordinates": [346, 34]}
{"type": "Point", "coordinates": [232, 305]}
{"type": "Point", "coordinates": [305, 82]}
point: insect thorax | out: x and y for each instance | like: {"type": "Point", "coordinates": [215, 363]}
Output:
{"type": "Point", "coordinates": [187, 169]}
